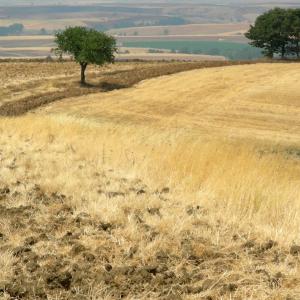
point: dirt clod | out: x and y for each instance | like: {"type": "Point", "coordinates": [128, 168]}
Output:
{"type": "Point", "coordinates": [77, 248]}
{"type": "Point", "coordinates": [108, 267]}
{"type": "Point", "coordinates": [4, 191]}
{"type": "Point", "coordinates": [295, 250]}
{"type": "Point", "coordinates": [165, 190]}
{"type": "Point", "coordinates": [268, 245]}
{"type": "Point", "coordinates": [62, 280]}
{"type": "Point", "coordinates": [30, 241]}
{"type": "Point", "coordinates": [154, 211]}
{"type": "Point", "coordinates": [115, 194]}
{"type": "Point", "coordinates": [105, 226]}
{"type": "Point", "coordinates": [21, 250]}
{"type": "Point", "coordinates": [32, 266]}
{"type": "Point", "coordinates": [89, 256]}
{"type": "Point", "coordinates": [249, 244]}
{"type": "Point", "coordinates": [141, 192]}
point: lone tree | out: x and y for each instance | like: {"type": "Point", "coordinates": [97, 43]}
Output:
{"type": "Point", "coordinates": [86, 46]}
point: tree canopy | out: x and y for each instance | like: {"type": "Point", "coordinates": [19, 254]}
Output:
{"type": "Point", "coordinates": [277, 32]}
{"type": "Point", "coordinates": [86, 46]}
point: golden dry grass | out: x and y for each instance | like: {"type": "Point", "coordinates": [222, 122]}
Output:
{"type": "Point", "coordinates": [258, 101]}
{"type": "Point", "coordinates": [224, 141]}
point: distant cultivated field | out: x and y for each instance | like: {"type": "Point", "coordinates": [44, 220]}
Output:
{"type": "Point", "coordinates": [40, 46]}
{"type": "Point", "coordinates": [230, 50]}
{"type": "Point", "coordinates": [37, 24]}
{"type": "Point", "coordinates": [189, 30]}
{"type": "Point", "coordinates": [206, 45]}
{"type": "Point", "coordinates": [30, 46]}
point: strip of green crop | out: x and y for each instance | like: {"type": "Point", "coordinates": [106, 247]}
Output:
{"type": "Point", "coordinates": [231, 50]}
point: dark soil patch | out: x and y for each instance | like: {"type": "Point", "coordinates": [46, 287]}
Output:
{"type": "Point", "coordinates": [20, 107]}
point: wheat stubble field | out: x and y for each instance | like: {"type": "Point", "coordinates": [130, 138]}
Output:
{"type": "Point", "coordinates": [184, 186]}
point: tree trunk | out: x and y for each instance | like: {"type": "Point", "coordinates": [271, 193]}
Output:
{"type": "Point", "coordinates": [83, 68]}
{"type": "Point", "coordinates": [283, 52]}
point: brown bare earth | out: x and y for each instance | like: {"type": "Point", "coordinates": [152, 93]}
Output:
{"type": "Point", "coordinates": [156, 181]}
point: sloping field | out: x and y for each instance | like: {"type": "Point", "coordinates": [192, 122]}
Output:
{"type": "Point", "coordinates": [258, 101]}
{"type": "Point", "coordinates": [180, 187]}
{"type": "Point", "coordinates": [29, 84]}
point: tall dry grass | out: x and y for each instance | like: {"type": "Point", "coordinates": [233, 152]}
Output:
{"type": "Point", "coordinates": [239, 182]}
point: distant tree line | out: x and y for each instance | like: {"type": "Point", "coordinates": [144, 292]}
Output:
{"type": "Point", "coordinates": [277, 32]}
{"type": "Point", "coordinates": [13, 29]}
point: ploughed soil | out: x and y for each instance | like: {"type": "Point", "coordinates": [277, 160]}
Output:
{"type": "Point", "coordinates": [68, 86]}
{"type": "Point", "coordinates": [65, 254]}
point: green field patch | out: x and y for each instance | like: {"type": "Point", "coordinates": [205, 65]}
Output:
{"type": "Point", "coordinates": [231, 50]}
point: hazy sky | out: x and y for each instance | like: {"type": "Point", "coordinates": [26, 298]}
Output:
{"type": "Point", "coordinates": [14, 2]}
{"type": "Point", "coordinates": [82, 2]}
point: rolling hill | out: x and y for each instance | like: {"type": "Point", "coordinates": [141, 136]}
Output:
{"type": "Point", "coordinates": [184, 186]}
{"type": "Point", "coordinates": [249, 102]}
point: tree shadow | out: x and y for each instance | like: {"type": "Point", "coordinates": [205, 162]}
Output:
{"type": "Point", "coordinates": [115, 72]}
{"type": "Point", "coordinates": [110, 86]}
{"type": "Point", "coordinates": [104, 86]}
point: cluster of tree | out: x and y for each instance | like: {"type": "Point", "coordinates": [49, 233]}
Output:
{"type": "Point", "coordinates": [277, 32]}
{"type": "Point", "coordinates": [13, 29]}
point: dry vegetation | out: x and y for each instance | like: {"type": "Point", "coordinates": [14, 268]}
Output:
{"type": "Point", "coordinates": [181, 187]}
{"type": "Point", "coordinates": [207, 102]}
{"type": "Point", "coordinates": [27, 85]}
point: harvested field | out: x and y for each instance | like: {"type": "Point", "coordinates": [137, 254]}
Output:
{"type": "Point", "coordinates": [227, 101]}
{"type": "Point", "coordinates": [43, 83]}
